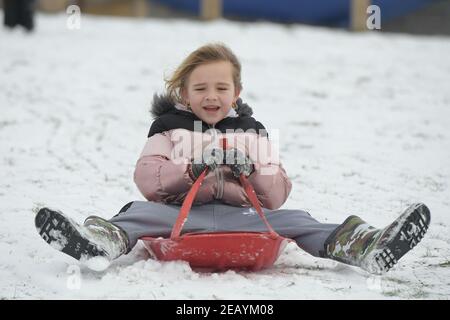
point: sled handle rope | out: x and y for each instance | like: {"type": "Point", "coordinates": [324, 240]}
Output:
{"type": "Point", "coordinates": [187, 203]}
{"type": "Point", "coordinates": [251, 194]}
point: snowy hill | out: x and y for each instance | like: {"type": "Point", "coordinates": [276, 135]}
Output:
{"type": "Point", "coordinates": [363, 123]}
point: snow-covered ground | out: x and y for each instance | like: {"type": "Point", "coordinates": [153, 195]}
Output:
{"type": "Point", "coordinates": [364, 126]}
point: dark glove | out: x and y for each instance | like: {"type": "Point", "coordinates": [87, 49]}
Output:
{"type": "Point", "coordinates": [211, 159]}
{"type": "Point", "coordinates": [238, 162]}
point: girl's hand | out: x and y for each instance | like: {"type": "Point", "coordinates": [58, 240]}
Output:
{"type": "Point", "coordinates": [238, 162]}
{"type": "Point", "coordinates": [211, 159]}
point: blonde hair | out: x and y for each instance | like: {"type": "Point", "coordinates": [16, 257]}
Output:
{"type": "Point", "coordinates": [212, 52]}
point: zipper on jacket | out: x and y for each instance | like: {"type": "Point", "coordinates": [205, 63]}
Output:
{"type": "Point", "coordinates": [217, 171]}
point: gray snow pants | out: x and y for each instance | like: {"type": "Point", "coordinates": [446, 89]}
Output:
{"type": "Point", "coordinates": [146, 218]}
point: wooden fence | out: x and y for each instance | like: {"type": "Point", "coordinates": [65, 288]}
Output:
{"type": "Point", "coordinates": [210, 9]}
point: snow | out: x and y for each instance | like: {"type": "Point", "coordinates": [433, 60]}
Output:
{"type": "Point", "coordinates": [363, 124]}
{"type": "Point", "coordinates": [96, 263]}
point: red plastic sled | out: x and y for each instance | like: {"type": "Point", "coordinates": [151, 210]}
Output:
{"type": "Point", "coordinates": [219, 250]}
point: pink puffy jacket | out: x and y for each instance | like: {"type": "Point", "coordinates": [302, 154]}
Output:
{"type": "Point", "coordinates": [162, 171]}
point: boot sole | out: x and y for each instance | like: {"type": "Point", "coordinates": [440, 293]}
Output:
{"type": "Point", "coordinates": [412, 226]}
{"type": "Point", "coordinates": [64, 235]}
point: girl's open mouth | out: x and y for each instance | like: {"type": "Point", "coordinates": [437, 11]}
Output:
{"type": "Point", "coordinates": [211, 108]}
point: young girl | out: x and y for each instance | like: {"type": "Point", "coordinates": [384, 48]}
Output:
{"type": "Point", "coordinates": [201, 107]}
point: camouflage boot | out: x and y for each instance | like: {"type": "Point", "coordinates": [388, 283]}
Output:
{"type": "Point", "coordinates": [96, 243]}
{"type": "Point", "coordinates": [374, 250]}
{"type": "Point", "coordinates": [111, 238]}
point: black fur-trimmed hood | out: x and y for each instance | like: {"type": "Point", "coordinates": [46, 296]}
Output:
{"type": "Point", "coordinates": [163, 103]}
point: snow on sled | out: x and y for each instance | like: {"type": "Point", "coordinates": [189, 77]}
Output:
{"type": "Point", "coordinates": [219, 250]}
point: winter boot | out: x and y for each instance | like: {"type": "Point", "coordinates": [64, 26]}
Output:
{"type": "Point", "coordinates": [96, 243]}
{"type": "Point", "coordinates": [374, 250]}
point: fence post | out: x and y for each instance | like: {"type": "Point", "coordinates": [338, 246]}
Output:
{"type": "Point", "coordinates": [358, 14]}
{"type": "Point", "coordinates": [211, 9]}
{"type": "Point", "coordinates": [140, 8]}
{"type": "Point", "coordinates": [53, 5]}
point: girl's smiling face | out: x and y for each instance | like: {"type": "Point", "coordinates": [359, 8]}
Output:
{"type": "Point", "coordinates": [210, 91]}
